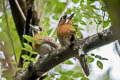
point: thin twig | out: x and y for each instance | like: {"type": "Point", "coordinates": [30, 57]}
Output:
{"type": "Point", "coordinates": [43, 13]}
{"type": "Point", "coordinates": [19, 8]}
{"type": "Point", "coordinates": [8, 30]}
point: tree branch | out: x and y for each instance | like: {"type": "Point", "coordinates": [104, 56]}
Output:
{"type": "Point", "coordinates": [57, 56]}
{"type": "Point", "coordinates": [18, 17]}
{"type": "Point", "coordinates": [113, 8]}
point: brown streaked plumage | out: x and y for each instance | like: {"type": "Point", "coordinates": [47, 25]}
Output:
{"type": "Point", "coordinates": [66, 34]}
{"type": "Point", "coordinates": [44, 45]}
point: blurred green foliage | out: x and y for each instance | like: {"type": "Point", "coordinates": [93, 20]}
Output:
{"type": "Point", "coordinates": [5, 37]}
{"type": "Point", "coordinates": [8, 63]}
{"type": "Point", "coordinates": [86, 12]}
{"type": "Point", "coordinates": [66, 74]}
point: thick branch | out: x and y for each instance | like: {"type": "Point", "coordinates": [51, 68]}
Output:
{"type": "Point", "coordinates": [18, 18]}
{"type": "Point", "coordinates": [62, 54]}
{"type": "Point", "coordinates": [113, 8]}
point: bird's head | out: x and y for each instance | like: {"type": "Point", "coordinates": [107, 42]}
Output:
{"type": "Point", "coordinates": [70, 17]}
{"type": "Point", "coordinates": [62, 20]}
{"type": "Point", "coordinates": [36, 29]}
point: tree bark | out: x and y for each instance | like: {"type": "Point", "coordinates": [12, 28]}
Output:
{"type": "Point", "coordinates": [35, 70]}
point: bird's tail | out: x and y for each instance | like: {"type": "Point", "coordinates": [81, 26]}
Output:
{"type": "Point", "coordinates": [83, 63]}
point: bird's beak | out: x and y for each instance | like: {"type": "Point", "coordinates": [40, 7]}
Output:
{"type": "Point", "coordinates": [70, 17]}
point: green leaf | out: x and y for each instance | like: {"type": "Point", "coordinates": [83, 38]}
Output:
{"type": "Point", "coordinates": [93, 6]}
{"type": "Point", "coordinates": [48, 78]}
{"type": "Point", "coordinates": [92, 54]}
{"type": "Point", "coordinates": [28, 38]}
{"type": "Point", "coordinates": [58, 68]}
{"type": "Point", "coordinates": [103, 8]}
{"type": "Point", "coordinates": [79, 35]}
{"type": "Point", "coordinates": [60, 7]}
{"type": "Point", "coordinates": [26, 57]}
{"type": "Point", "coordinates": [68, 62]}
{"type": "Point", "coordinates": [43, 34]}
{"type": "Point", "coordinates": [77, 28]}
{"type": "Point", "coordinates": [33, 60]}
{"type": "Point", "coordinates": [100, 64]}
{"type": "Point", "coordinates": [106, 23]}
{"type": "Point", "coordinates": [100, 57]}
{"type": "Point", "coordinates": [27, 47]}
{"type": "Point", "coordinates": [25, 65]}
{"type": "Point", "coordinates": [75, 1]}
{"type": "Point", "coordinates": [49, 31]}
{"type": "Point", "coordinates": [55, 17]}
{"type": "Point", "coordinates": [68, 11]}
{"type": "Point", "coordinates": [33, 52]}
{"type": "Point", "coordinates": [84, 78]}
{"type": "Point", "coordinates": [90, 1]}
{"type": "Point", "coordinates": [103, 59]}
{"type": "Point", "coordinates": [99, 21]}
{"type": "Point", "coordinates": [67, 73]}
{"type": "Point", "coordinates": [83, 23]}
{"type": "Point", "coordinates": [36, 42]}
{"type": "Point", "coordinates": [90, 59]}
{"type": "Point", "coordinates": [90, 22]}
{"type": "Point", "coordinates": [64, 77]}
{"type": "Point", "coordinates": [78, 74]}
{"type": "Point", "coordinates": [97, 56]}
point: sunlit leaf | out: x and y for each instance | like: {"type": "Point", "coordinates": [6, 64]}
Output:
{"type": "Point", "coordinates": [33, 60]}
{"type": "Point", "coordinates": [48, 78]}
{"type": "Point", "coordinates": [25, 65]}
{"type": "Point", "coordinates": [83, 23]}
{"type": "Point", "coordinates": [67, 73]}
{"type": "Point", "coordinates": [77, 28]}
{"type": "Point", "coordinates": [27, 46]}
{"type": "Point", "coordinates": [26, 57]}
{"type": "Point", "coordinates": [68, 62]}
{"type": "Point", "coordinates": [106, 23]}
{"type": "Point", "coordinates": [68, 11]}
{"type": "Point", "coordinates": [32, 52]}
{"type": "Point", "coordinates": [55, 17]}
{"type": "Point", "coordinates": [28, 38]}
{"type": "Point", "coordinates": [43, 34]}
{"type": "Point", "coordinates": [36, 42]}
{"type": "Point", "coordinates": [49, 31]}
{"type": "Point", "coordinates": [78, 74]}
{"type": "Point", "coordinates": [64, 77]}
{"type": "Point", "coordinates": [100, 64]}
{"type": "Point", "coordinates": [90, 22]}
{"type": "Point", "coordinates": [97, 56]}
{"type": "Point", "coordinates": [91, 1]}
{"type": "Point", "coordinates": [90, 59]}
{"type": "Point", "coordinates": [84, 78]}
{"type": "Point", "coordinates": [59, 7]}
{"type": "Point", "coordinates": [75, 1]}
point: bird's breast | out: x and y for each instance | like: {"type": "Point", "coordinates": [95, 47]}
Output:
{"type": "Point", "coordinates": [64, 29]}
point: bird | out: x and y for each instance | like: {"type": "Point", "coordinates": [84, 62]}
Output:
{"type": "Point", "coordinates": [43, 45]}
{"type": "Point", "coordinates": [66, 34]}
